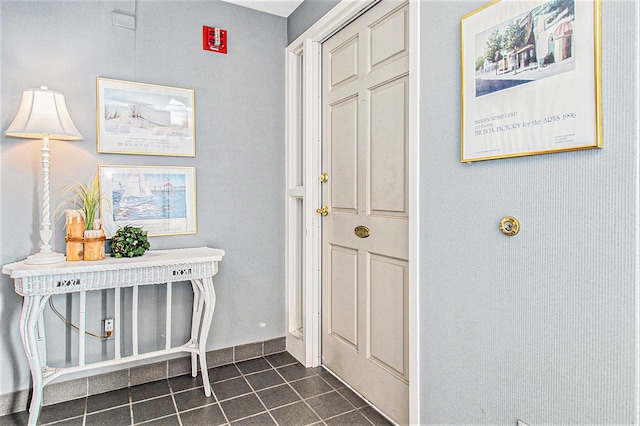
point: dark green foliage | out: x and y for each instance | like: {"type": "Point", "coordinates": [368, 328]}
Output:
{"type": "Point", "coordinates": [513, 37]}
{"type": "Point", "coordinates": [129, 241]}
{"type": "Point", "coordinates": [561, 7]}
{"type": "Point", "coordinates": [493, 50]}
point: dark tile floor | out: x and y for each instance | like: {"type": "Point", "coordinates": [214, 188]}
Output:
{"type": "Point", "coordinates": [264, 391]}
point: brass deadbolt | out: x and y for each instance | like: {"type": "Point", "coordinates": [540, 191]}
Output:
{"type": "Point", "coordinates": [324, 210]}
{"type": "Point", "coordinates": [509, 226]}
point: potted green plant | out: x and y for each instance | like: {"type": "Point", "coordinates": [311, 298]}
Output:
{"type": "Point", "coordinates": [129, 241]}
{"type": "Point", "coordinates": [87, 200]}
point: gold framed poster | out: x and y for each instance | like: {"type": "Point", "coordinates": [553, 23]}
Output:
{"type": "Point", "coordinates": [160, 199]}
{"type": "Point", "coordinates": [144, 119]}
{"type": "Point", "coordinates": [531, 78]}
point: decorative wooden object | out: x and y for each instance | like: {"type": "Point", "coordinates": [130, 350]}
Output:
{"type": "Point", "coordinates": [75, 235]}
{"type": "Point", "coordinates": [94, 244]}
{"type": "Point", "coordinates": [83, 244]}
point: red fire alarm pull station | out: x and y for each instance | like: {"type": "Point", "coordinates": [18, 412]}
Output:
{"type": "Point", "coordinates": [214, 39]}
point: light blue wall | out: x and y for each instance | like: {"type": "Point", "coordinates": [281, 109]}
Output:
{"type": "Point", "coordinates": [540, 326]}
{"type": "Point", "coordinates": [239, 149]}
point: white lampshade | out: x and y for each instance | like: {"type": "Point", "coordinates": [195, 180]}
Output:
{"type": "Point", "coordinates": [43, 112]}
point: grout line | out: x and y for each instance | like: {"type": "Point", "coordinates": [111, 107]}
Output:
{"type": "Point", "coordinates": [285, 405]}
{"type": "Point", "coordinates": [227, 379]}
{"type": "Point", "coordinates": [366, 401]}
{"type": "Point", "coordinates": [130, 404]}
{"type": "Point", "coordinates": [304, 401]}
{"type": "Point", "coordinates": [224, 414]}
{"type": "Point", "coordinates": [63, 420]}
{"type": "Point", "coordinates": [283, 365]}
{"type": "Point", "coordinates": [198, 407]}
{"type": "Point", "coordinates": [155, 419]}
{"type": "Point", "coordinates": [255, 393]}
{"type": "Point", "coordinates": [240, 394]}
{"type": "Point", "coordinates": [86, 401]}
{"type": "Point", "coordinates": [355, 410]}
{"type": "Point", "coordinates": [251, 416]}
{"type": "Point", "coordinates": [175, 405]}
{"type": "Point", "coordinates": [86, 406]}
{"type": "Point", "coordinates": [150, 399]}
{"type": "Point", "coordinates": [106, 409]}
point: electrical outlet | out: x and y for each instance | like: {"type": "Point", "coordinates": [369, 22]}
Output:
{"type": "Point", "coordinates": [108, 326]}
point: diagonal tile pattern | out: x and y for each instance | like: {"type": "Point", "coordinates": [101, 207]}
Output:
{"type": "Point", "coordinates": [271, 390]}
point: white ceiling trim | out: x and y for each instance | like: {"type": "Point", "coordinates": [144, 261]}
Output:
{"type": "Point", "coordinates": [275, 7]}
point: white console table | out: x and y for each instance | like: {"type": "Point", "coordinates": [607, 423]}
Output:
{"type": "Point", "coordinates": [37, 283]}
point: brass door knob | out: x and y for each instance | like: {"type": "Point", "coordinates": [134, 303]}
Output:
{"type": "Point", "coordinates": [362, 231]}
{"type": "Point", "coordinates": [324, 210]}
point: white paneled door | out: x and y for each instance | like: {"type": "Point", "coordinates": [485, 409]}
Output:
{"type": "Point", "coordinates": [365, 244]}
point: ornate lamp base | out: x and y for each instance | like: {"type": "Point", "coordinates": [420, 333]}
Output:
{"type": "Point", "coordinates": [45, 258]}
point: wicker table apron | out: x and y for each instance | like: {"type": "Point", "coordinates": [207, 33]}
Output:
{"type": "Point", "coordinates": [38, 283]}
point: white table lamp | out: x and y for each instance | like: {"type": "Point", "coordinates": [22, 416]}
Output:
{"type": "Point", "coordinates": [43, 114]}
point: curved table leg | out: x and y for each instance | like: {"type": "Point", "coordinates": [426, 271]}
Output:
{"type": "Point", "coordinates": [31, 309]}
{"type": "Point", "coordinates": [209, 296]}
{"type": "Point", "coordinates": [196, 317]}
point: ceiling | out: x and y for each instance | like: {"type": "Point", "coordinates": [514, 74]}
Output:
{"type": "Point", "coordinates": [274, 7]}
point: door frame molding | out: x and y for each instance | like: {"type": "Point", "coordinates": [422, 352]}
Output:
{"type": "Point", "coordinates": [304, 130]}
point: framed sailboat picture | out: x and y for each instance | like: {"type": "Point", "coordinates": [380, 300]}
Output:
{"type": "Point", "coordinates": [161, 200]}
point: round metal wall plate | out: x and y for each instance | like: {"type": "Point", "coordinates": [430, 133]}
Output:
{"type": "Point", "coordinates": [509, 226]}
